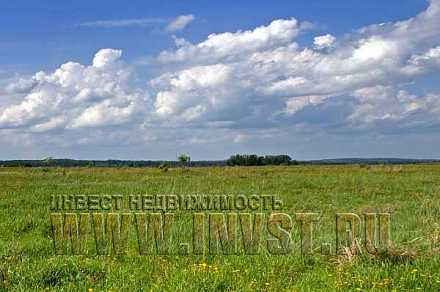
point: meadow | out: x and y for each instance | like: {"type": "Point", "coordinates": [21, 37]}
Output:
{"type": "Point", "coordinates": [410, 193]}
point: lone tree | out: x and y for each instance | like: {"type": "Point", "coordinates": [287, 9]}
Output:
{"type": "Point", "coordinates": [184, 160]}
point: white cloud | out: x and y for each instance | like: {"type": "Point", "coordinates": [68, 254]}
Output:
{"type": "Point", "coordinates": [324, 41]}
{"type": "Point", "coordinates": [268, 72]}
{"type": "Point", "coordinates": [106, 57]}
{"type": "Point", "coordinates": [104, 114]}
{"type": "Point", "coordinates": [257, 78]}
{"type": "Point", "coordinates": [21, 85]}
{"type": "Point", "coordinates": [295, 104]}
{"type": "Point", "coordinates": [174, 25]}
{"type": "Point", "coordinates": [424, 62]}
{"type": "Point", "coordinates": [374, 49]}
{"type": "Point", "coordinates": [229, 45]}
{"type": "Point", "coordinates": [76, 96]}
{"type": "Point", "coordinates": [385, 103]}
{"type": "Point", "coordinates": [192, 92]}
{"type": "Point", "coordinates": [179, 23]}
{"type": "Point", "coordinates": [114, 23]}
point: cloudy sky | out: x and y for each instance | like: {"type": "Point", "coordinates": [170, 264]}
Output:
{"type": "Point", "coordinates": [152, 79]}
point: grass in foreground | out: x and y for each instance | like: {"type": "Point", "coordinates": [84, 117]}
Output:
{"type": "Point", "coordinates": [410, 193]}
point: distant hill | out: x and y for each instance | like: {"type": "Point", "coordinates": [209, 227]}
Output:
{"type": "Point", "coordinates": [371, 161]}
{"type": "Point", "coordinates": [204, 163]}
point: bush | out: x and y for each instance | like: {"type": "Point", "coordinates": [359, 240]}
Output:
{"type": "Point", "coordinates": [164, 166]}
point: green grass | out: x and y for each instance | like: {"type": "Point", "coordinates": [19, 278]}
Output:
{"type": "Point", "coordinates": [410, 193]}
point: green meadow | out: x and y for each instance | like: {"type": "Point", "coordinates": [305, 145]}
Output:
{"type": "Point", "coordinates": [410, 193]}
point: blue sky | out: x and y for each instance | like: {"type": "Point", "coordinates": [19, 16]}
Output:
{"type": "Point", "coordinates": [42, 35]}
{"type": "Point", "coordinates": [143, 79]}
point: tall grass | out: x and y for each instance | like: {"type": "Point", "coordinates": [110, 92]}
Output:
{"type": "Point", "coordinates": [410, 193]}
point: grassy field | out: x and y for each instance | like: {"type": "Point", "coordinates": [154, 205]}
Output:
{"type": "Point", "coordinates": [411, 193]}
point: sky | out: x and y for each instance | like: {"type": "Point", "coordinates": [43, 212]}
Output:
{"type": "Point", "coordinates": [153, 79]}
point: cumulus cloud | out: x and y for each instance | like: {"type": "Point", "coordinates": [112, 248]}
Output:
{"type": "Point", "coordinates": [259, 78]}
{"type": "Point", "coordinates": [193, 92]}
{"type": "Point", "coordinates": [324, 41]}
{"type": "Point", "coordinates": [265, 68]}
{"type": "Point", "coordinates": [106, 57]}
{"type": "Point", "coordinates": [385, 103]}
{"type": "Point", "coordinates": [232, 45]}
{"type": "Point", "coordinates": [180, 23]}
{"type": "Point", "coordinates": [75, 96]}
{"type": "Point", "coordinates": [21, 85]}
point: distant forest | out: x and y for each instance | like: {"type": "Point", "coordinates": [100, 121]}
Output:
{"type": "Point", "coordinates": [234, 160]}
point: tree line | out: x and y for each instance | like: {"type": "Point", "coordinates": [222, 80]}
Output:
{"type": "Point", "coordinates": [106, 163]}
{"type": "Point", "coordinates": [185, 161]}
{"type": "Point", "coordinates": [255, 160]}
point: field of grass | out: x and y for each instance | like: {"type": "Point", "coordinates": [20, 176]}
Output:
{"type": "Point", "coordinates": [411, 193]}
